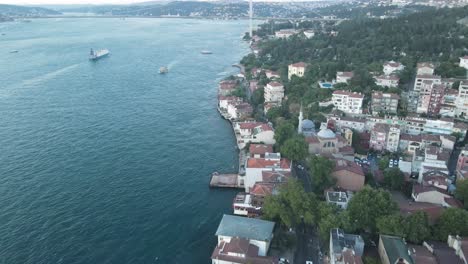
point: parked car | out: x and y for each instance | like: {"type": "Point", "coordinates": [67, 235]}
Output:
{"type": "Point", "coordinates": [300, 167]}
{"type": "Point", "coordinates": [309, 262]}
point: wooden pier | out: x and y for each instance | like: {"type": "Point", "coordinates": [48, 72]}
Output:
{"type": "Point", "coordinates": [224, 181]}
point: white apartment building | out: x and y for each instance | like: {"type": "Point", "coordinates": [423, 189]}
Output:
{"type": "Point", "coordinates": [344, 77]}
{"type": "Point", "coordinates": [461, 102]}
{"type": "Point", "coordinates": [348, 102]}
{"type": "Point", "coordinates": [425, 68]}
{"type": "Point", "coordinates": [387, 80]}
{"type": "Point", "coordinates": [464, 62]}
{"type": "Point", "coordinates": [274, 92]}
{"type": "Point", "coordinates": [424, 78]}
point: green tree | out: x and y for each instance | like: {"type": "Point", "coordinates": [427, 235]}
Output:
{"type": "Point", "coordinates": [295, 148]}
{"type": "Point", "coordinates": [291, 206]}
{"type": "Point", "coordinates": [417, 227]}
{"type": "Point", "coordinates": [320, 169]}
{"type": "Point", "coordinates": [462, 191]}
{"type": "Point", "coordinates": [451, 222]}
{"type": "Point", "coordinates": [383, 163]}
{"type": "Point", "coordinates": [394, 179]}
{"type": "Point", "coordinates": [369, 204]}
{"type": "Point", "coordinates": [391, 225]}
{"type": "Point", "coordinates": [330, 217]}
{"type": "Point", "coordinates": [284, 131]}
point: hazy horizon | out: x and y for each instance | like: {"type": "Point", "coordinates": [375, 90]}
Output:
{"type": "Point", "coordinates": [115, 2]}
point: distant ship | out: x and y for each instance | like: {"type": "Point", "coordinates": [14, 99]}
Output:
{"type": "Point", "coordinates": [95, 55]}
{"type": "Point", "coordinates": [206, 52]}
{"type": "Point", "coordinates": [14, 51]}
{"type": "Point", "coordinates": [163, 70]}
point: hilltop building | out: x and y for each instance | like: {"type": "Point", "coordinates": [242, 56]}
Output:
{"type": "Point", "coordinates": [392, 67]}
{"type": "Point", "coordinates": [384, 102]}
{"type": "Point", "coordinates": [297, 69]}
{"type": "Point", "coordinates": [348, 102]}
{"type": "Point", "coordinates": [464, 62]}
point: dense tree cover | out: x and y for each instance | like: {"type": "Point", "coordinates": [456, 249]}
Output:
{"type": "Point", "coordinates": [369, 204]}
{"type": "Point", "coordinates": [462, 191]}
{"type": "Point", "coordinates": [384, 162]}
{"type": "Point", "coordinates": [394, 179]}
{"type": "Point", "coordinates": [295, 148]}
{"type": "Point", "coordinates": [283, 132]}
{"type": "Point", "coordinates": [415, 228]}
{"type": "Point", "coordinates": [451, 222]}
{"type": "Point", "coordinates": [292, 205]}
{"type": "Point", "coordinates": [320, 169]}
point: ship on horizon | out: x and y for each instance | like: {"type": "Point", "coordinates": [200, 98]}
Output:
{"type": "Point", "coordinates": [95, 55]}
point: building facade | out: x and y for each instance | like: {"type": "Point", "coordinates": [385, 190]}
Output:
{"type": "Point", "coordinates": [348, 102]}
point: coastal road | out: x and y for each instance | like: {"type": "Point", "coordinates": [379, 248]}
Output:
{"type": "Point", "coordinates": [307, 248]}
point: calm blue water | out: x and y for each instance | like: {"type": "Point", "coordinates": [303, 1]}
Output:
{"type": "Point", "coordinates": [109, 162]}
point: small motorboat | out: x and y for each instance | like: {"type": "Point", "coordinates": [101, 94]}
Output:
{"type": "Point", "coordinates": [14, 51]}
{"type": "Point", "coordinates": [206, 52]}
{"type": "Point", "coordinates": [163, 70]}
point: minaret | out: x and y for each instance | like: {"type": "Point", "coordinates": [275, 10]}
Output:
{"type": "Point", "coordinates": [301, 117]}
{"type": "Point", "coordinates": [250, 18]}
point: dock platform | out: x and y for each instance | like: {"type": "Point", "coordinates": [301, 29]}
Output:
{"type": "Point", "coordinates": [224, 180]}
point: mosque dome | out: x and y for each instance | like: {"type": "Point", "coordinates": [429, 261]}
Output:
{"type": "Point", "coordinates": [307, 125]}
{"type": "Point", "coordinates": [326, 133]}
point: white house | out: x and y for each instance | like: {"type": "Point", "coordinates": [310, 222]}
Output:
{"type": "Point", "coordinates": [348, 102]}
{"type": "Point", "coordinates": [253, 132]}
{"type": "Point", "coordinates": [309, 33]}
{"type": "Point", "coordinates": [425, 68]}
{"type": "Point", "coordinates": [243, 240]}
{"type": "Point", "coordinates": [421, 79]}
{"type": "Point", "coordinates": [344, 77]}
{"type": "Point", "coordinates": [274, 92]}
{"type": "Point", "coordinates": [387, 80]}
{"type": "Point", "coordinates": [255, 166]}
{"type": "Point", "coordinates": [285, 33]}
{"type": "Point", "coordinates": [464, 62]}
{"type": "Point", "coordinates": [224, 101]}
{"type": "Point", "coordinates": [345, 248]}
{"type": "Point", "coordinates": [297, 69]}
{"type": "Point", "coordinates": [392, 67]}
{"type": "Point", "coordinates": [338, 198]}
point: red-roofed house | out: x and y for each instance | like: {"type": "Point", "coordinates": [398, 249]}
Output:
{"type": "Point", "coordinates": [259, 150]}
{"type": "Point", "coordinates": [348, 175]}
{"type": "Point", "coordinates": [430, 194]}
{"type": "Point", "coordinates": [254, 168]}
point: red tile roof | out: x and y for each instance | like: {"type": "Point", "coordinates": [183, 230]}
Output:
{"type": "Point", "coordinates": [453, 202]}
{"type": "Point", "coordinates": [392, 64]}
{"type": "Point", "coordinates": [250, 125]}
{"type": "Point", "coordinates": [388, 77]}
{"type": "Point", "coordinates": [260, 149]}
{"type": "Point", "coordinates": [345, 74]}
{"type": "Point", "coordinates": [299, 64]}
{"type": "Point", "coordinates": [275, 176]}
{"type": "Point", "coordinates": [348, 93]}
{"type": "Point", "coordinates": [408, 137]}
{"type": "Point", "coordinates": [264, 163]}
{"type": "Point", "coordinates": [425, 64]}
{"type": "Point", "coordinates": [262, 189]}
{"type": "Point", "coordinates": [275, 84]}
{"type": "Point", "coordinates": [341, 164]}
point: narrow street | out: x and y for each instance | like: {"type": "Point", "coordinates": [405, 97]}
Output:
{"type": "Point", "coordinates": [307, 248]}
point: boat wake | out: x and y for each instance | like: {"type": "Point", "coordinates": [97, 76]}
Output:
{"type": "Point", "coordinates": [34, 82]}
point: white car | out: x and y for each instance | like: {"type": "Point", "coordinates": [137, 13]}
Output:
{"type": "Point", "coordinates": [309, 262]}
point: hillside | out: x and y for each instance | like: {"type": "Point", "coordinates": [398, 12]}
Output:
{"type": "Point", "coordinates": [26, 11]}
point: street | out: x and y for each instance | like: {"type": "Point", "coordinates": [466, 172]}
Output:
{"type": "Point", "coordinates": [307, 248]}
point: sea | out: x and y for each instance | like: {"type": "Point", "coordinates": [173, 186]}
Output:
{"type": "Point", "coordinates": [109, 161]}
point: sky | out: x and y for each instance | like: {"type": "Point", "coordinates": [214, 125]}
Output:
{"type": "Point", "coordinates": [63, 2]}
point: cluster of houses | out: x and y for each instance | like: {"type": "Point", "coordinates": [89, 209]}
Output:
{"type": "Point", "coordinates": [348, 249]}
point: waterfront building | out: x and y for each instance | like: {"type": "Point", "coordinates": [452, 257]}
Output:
{"type": "Point", "coordinates": [224, 101]}
{"type": "Point", "coordinates": [345, 248]}
{"type": "Point", "coordinates": [384, 102]}
{"type": "Point", "coordinates": [254, 168]}
{"type": "Point", "coordinates": [243, 240]}
{"type": "Point", "coordinates": [391, 67]}
{"type": "Point", "coordinates": [387, 81]}
{"type": "Point", "coordinates": [297, 69]}
{"type": "Point", "coordinates": [259, 150]}
{"type": "Point", "coordinates": [464, 62]}
{"type": "Point", "coordinates": [344, 77]}
{"type": "Point", "coordinates": [239, 111]}
{"type": "Point", "coordinates": [348, 102]}
{"type": "Point", "coordinates": [253, 132]}
{"type": "Point", "coordinates": [425, 68]}
{"type": "Point", "coordinates": [227, 87]}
